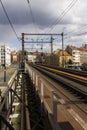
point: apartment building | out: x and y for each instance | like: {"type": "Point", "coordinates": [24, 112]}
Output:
{"type": "Point", "coordinates": [5, 55]}
{"type": "Point", "coordinates": [79, 55]}
{"type": "Point", "coordinates": [83, 54]}
{"type": "Point", "coordinates": [31, 57]}
{"type": "Point", "coordinates": [72, 50]}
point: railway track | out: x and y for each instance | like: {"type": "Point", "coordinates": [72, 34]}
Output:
{"type": "Point", "coordinates": [78, 90]}
{"type": "Point", "coordinates": [80, 75]}
{"type": "Point", "coordinates": [71, 107]}
{"type": "Point", "coordinates": [71, 71]}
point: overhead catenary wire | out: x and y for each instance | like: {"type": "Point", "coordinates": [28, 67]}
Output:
{"type": "Point", "coordinates": [72, 39]}
{"type": "Point", "coordinates": [32, 16]}
{"type": "Point", "coordinates": [60, 17]}
{"type": "Point", "coordinates": [31, 12]}
{"type": "Point", "coordinates": [9, 20]}
{"type": "Point", "coordinates": [76, 33]}
{"type": "Point", "coordinates": [74, 2]}
{"type": "Point", "coordinates": [28, 1]}
{"type": "Point", "coordinates": [82, 28]}
{"type": "Point", "coordinates": [58, 20]}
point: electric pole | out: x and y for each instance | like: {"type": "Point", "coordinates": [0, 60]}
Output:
{"type": "Point", "coordinates": [51, 57]}
{"type": "Point", "coordinates": [62, 49]}
{"type": "Point", "coordinates": [42, 52]}
{"type": "Point", "coordinates": [22, 64]}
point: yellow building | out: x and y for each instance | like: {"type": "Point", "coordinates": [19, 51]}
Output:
{"type": "Point", "coordinates": [13, 57]}
{"type": "Point", "coordinates": [64, 58]}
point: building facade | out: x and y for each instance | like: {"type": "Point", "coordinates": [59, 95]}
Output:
{"type": "Point", "coordinates": [5, 56]}
{"type": "Point", "coordinates": [64, 58]}
{"type": "Point", "coordinates": [83, 55]}
{"type": "Point", "coordinates": [14, 57]}
{"type": "Point", "coordinates": [31, 58]}
{"type": "Point", "coordinates": [76, 56]}
{"type": "Point", "coordinates": [75, 53]}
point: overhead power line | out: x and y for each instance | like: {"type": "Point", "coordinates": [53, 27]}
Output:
{"type": "Point", "coordinates": [67, 10]}
{"type": "Point", "coordinates": [9, 20]}
{"type": "Point", "coordinates": [60, 17]}
{"type": "Point", "coordinates": [80, 29]}
{"type": "Point", "coordinates": [75, 33]}
{"type": "Point", "coordinates": [58, 20]}
{"type": "Point", "coordinates": [31, 12]}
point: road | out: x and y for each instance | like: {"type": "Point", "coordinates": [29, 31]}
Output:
{"type": "Point", "coordinates": [9, 71]}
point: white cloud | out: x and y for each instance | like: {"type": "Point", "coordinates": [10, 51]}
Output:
{"type": "Point", "coordinates": [45, 13]}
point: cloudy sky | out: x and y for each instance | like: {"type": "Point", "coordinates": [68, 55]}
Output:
{"type": "Point", "coordinates": [43, 16]}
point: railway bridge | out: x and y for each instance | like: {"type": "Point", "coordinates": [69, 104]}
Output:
{"type": "Point", "coordinates": [34, 99]}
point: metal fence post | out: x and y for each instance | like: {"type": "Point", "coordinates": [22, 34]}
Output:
{"type": "Point", "coordinates": [0, 123]}
{"type": "Point", "coordinates": [42, 91]}
{"type": "Point", "coordinates": [33, 78]}
{"type": "Point", "coordinates": [36, 82]}
{"type": "Point", "coordinates": [55, 102]}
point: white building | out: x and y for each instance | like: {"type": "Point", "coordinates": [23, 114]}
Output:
{"type": "Point", "coordinates": [5, 55]}
{"type": "Point", "coordinates": [76, 56]}
{"type": "Point", "coordinates": [75, 53]}
{"type": "Point", "coordinates": [32, 58]}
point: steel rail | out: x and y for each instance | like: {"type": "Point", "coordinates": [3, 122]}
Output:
{"type": "Point", "coordinates": [72, 71]}
{"type": "Point", "coordinates": [66, 84]}
{"type": "Point", "coordinates": [72, 76]}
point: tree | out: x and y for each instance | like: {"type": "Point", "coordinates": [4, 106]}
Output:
{"type": "Point", "coordinates": [70, 62]}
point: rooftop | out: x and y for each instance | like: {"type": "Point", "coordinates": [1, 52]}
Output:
{"type": "Point", "coordinates": [65, 53]}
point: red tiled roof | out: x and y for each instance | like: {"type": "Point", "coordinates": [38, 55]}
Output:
{"type": "Point", "coordinates": [65, 53]}
{"type": "Point", "coordinates": [82, 49]}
